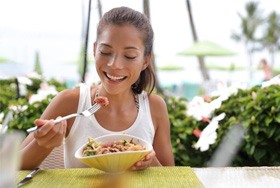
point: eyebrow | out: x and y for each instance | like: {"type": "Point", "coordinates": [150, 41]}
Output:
{"type": "Point", "coordinates": [127, 48]}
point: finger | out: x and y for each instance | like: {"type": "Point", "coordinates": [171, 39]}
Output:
{"type": "Point", "coordinates": [44, 129]}
{"type": "Point", "coordinates": [143, 164]}
{"type": "Point", "coordinates": [58, 138]}
{"type": "Point", "coordinates": [140, 166]}
{"type": "Point", "coordinates": [40, 122]}
{"type": "Point", "coordinates": [63, 127]}
{"type": "Point", "coordinates": [54, 137]}
{"type": "Point", "coordinates": [151, 154]}
{"type": "Point", "coordinates": [55, 141]}
{"type": "Point", "coordinates": [46, 140]}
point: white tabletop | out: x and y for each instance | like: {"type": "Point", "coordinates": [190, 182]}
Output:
{"type": "Point", "coordinates": [239, 177]}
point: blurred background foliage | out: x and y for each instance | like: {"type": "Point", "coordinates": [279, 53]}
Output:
{"type": "Point", "coordinates": [257, 109]}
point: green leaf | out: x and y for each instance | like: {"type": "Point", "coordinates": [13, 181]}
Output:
{"type": "Point", "coordinates": [256, 129]}
{"type": "Point", "coordinates": [268, 120]}
{"type": "Point", "coordinates": [277, 119]}
{"type": "Point", "coordinates": [259, 154]}
{"type": "Point", "coordinates": [252, 150]}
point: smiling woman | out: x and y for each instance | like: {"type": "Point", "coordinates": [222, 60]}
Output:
{"type": "Point", "coordinates": [122, 53]}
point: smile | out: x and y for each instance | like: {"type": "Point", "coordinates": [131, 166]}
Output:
{"type": "Point", "coordinates": [115, 78]}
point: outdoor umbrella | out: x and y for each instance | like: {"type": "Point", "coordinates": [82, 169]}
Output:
{"type": "Point", "coordinates": [207, 48]}
{"type": "Point", "coordinates": [203, 49]}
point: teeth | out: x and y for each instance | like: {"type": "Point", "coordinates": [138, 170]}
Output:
{"type": "Point", "coordinates": [115, 77]}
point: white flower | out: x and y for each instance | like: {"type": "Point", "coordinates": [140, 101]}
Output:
{"type": "Point", "coordinates": [216, 103]}
{"type": "Point", "coordinates": [273, 81]}
{"type": "Point", "coordinates": [224, 92]}
{"type": "Point", "coordinates": [209, 135]}
{"type": "Point", "coordinates": [34, 75]}
{"type": "Point", "coordinates": [23, 90]}
{"type": "Point", "coordinates": [198, 108]}
{"type": "Point", "coordinates": [18, 108]}
{"type": "Point", "coordinates": [43, 92]}
{"type": "Point", "coordinates": [23, 82]}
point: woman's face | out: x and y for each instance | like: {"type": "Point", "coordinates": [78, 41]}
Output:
{"type": "Point", "coordinates": [119, 56]}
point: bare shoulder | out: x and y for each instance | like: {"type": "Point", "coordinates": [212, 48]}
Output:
{"type": "Point", "coordinates": [156, 101]}
{"type": "Point", "coordinates": [63, 103]}
{"type": "Point", "coordinates": [157, 106]}
{"type": "Point", "coordinates": [69, 94]}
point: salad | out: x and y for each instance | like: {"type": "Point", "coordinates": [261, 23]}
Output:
{"type": "Point", "coordinates": [95, 148]}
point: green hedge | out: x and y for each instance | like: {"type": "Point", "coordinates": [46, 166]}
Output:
{"type": "Point", "coordinates": [9, 100]}
{"type": "Point", "coordinates": [257, 109]}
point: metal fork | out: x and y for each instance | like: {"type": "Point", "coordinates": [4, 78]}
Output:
{"type": "Point", "coordinates": [94, 108]}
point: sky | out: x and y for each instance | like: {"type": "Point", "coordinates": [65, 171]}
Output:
{"type": "Point", "coordinates": [54, 28]}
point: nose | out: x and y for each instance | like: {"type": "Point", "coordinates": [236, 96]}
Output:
{"type": "Point", "coordinates": [115, 62]}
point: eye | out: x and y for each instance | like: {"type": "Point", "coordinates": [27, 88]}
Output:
{"type": "Point", "coordinates": [130, 57]}
{"type": "Point", "coordinates": [104, 53]}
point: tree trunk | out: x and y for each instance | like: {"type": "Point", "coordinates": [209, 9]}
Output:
{"type": "Point", "coordinates": [99, 5]}
{"type": "Point", "coordinates": [250, 57]}
{"type": "Point", "coordinates": [250, 61]}
{"type": "Point", "coordinates": [85, 62]}
{"type": "Point", "coordinates": [202, 66]}
{"type": "Point", "coordinates": [146, 6]}
{"type": "Point", "coordinates": [272, 58]}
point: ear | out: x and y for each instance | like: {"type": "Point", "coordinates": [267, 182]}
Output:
{"type": "Point", "coordinates": [94, 48]}
{"type": "Point", "coordinates": [147, 61]}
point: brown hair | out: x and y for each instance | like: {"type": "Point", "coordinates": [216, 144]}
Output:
{"type": "Point", "coordinates": [127, 16]}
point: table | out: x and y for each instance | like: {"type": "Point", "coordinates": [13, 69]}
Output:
{"type": "Point", "coordinates": [239, 177]}
{"type": "Point", "coordinates": [88, 177]}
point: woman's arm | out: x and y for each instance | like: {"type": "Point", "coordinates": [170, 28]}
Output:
{"type": "Point", "coordinates": [162, 154]}
{"type": "Point", "coordinates": [162, 140]}
{"type": "Point", "coordinates": [37, 145]}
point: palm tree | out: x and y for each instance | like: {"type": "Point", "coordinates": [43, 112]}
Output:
{"type": "Point", "coordinates": [146, 7]}
{"type": "Point", "coordinates": [271, 37]}
{"type": "Point", "coordinates": [37, 66]}
{"type": "Point", "coordinates": [202, 66]}
{"type": "Point", "coordinates": [249, 25]}
{"type": "Point", "coordinates": [99, 5]}
{"type": "Point", "coordinates": [85, 61]}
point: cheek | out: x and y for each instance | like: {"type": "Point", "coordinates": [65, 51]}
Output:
{"type": "Point", "coordinates": [137, 71]}
{"type": "Point", "coordinates": [98, 65]}
{"type": "Point", "coordinates": [99, 61]}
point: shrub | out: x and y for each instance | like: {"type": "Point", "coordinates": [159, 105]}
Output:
{"type": "Point", "coordinates": [257, 109]}
{"type": "Point", "coordinates": [24, 112]}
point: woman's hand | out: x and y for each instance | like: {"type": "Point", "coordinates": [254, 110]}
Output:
{"type": "Point", "coordinates": [50, 135]}
{"type": "Point", "coordinates": [148, 160]}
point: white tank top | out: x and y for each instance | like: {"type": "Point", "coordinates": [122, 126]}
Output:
{"type": "Point", "coordinates": [84, 127]}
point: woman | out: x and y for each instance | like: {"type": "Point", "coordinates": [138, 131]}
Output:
{"type": "Point", "coordinates": [122, 53]}
{"type": "Point", "coordinates": [266, 69]}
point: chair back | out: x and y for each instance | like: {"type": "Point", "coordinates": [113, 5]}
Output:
{"type": "Point", "coordinates": [55, 160]}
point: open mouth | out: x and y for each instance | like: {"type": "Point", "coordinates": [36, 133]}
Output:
{"type": "Point", "coordinates": [115, 78]}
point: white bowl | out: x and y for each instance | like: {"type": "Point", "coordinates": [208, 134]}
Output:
{"type": "Point", "coordinates": [115, 162]}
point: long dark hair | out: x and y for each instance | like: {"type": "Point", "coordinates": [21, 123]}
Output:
{"type": "Point", "coordinates": [123, 16]}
